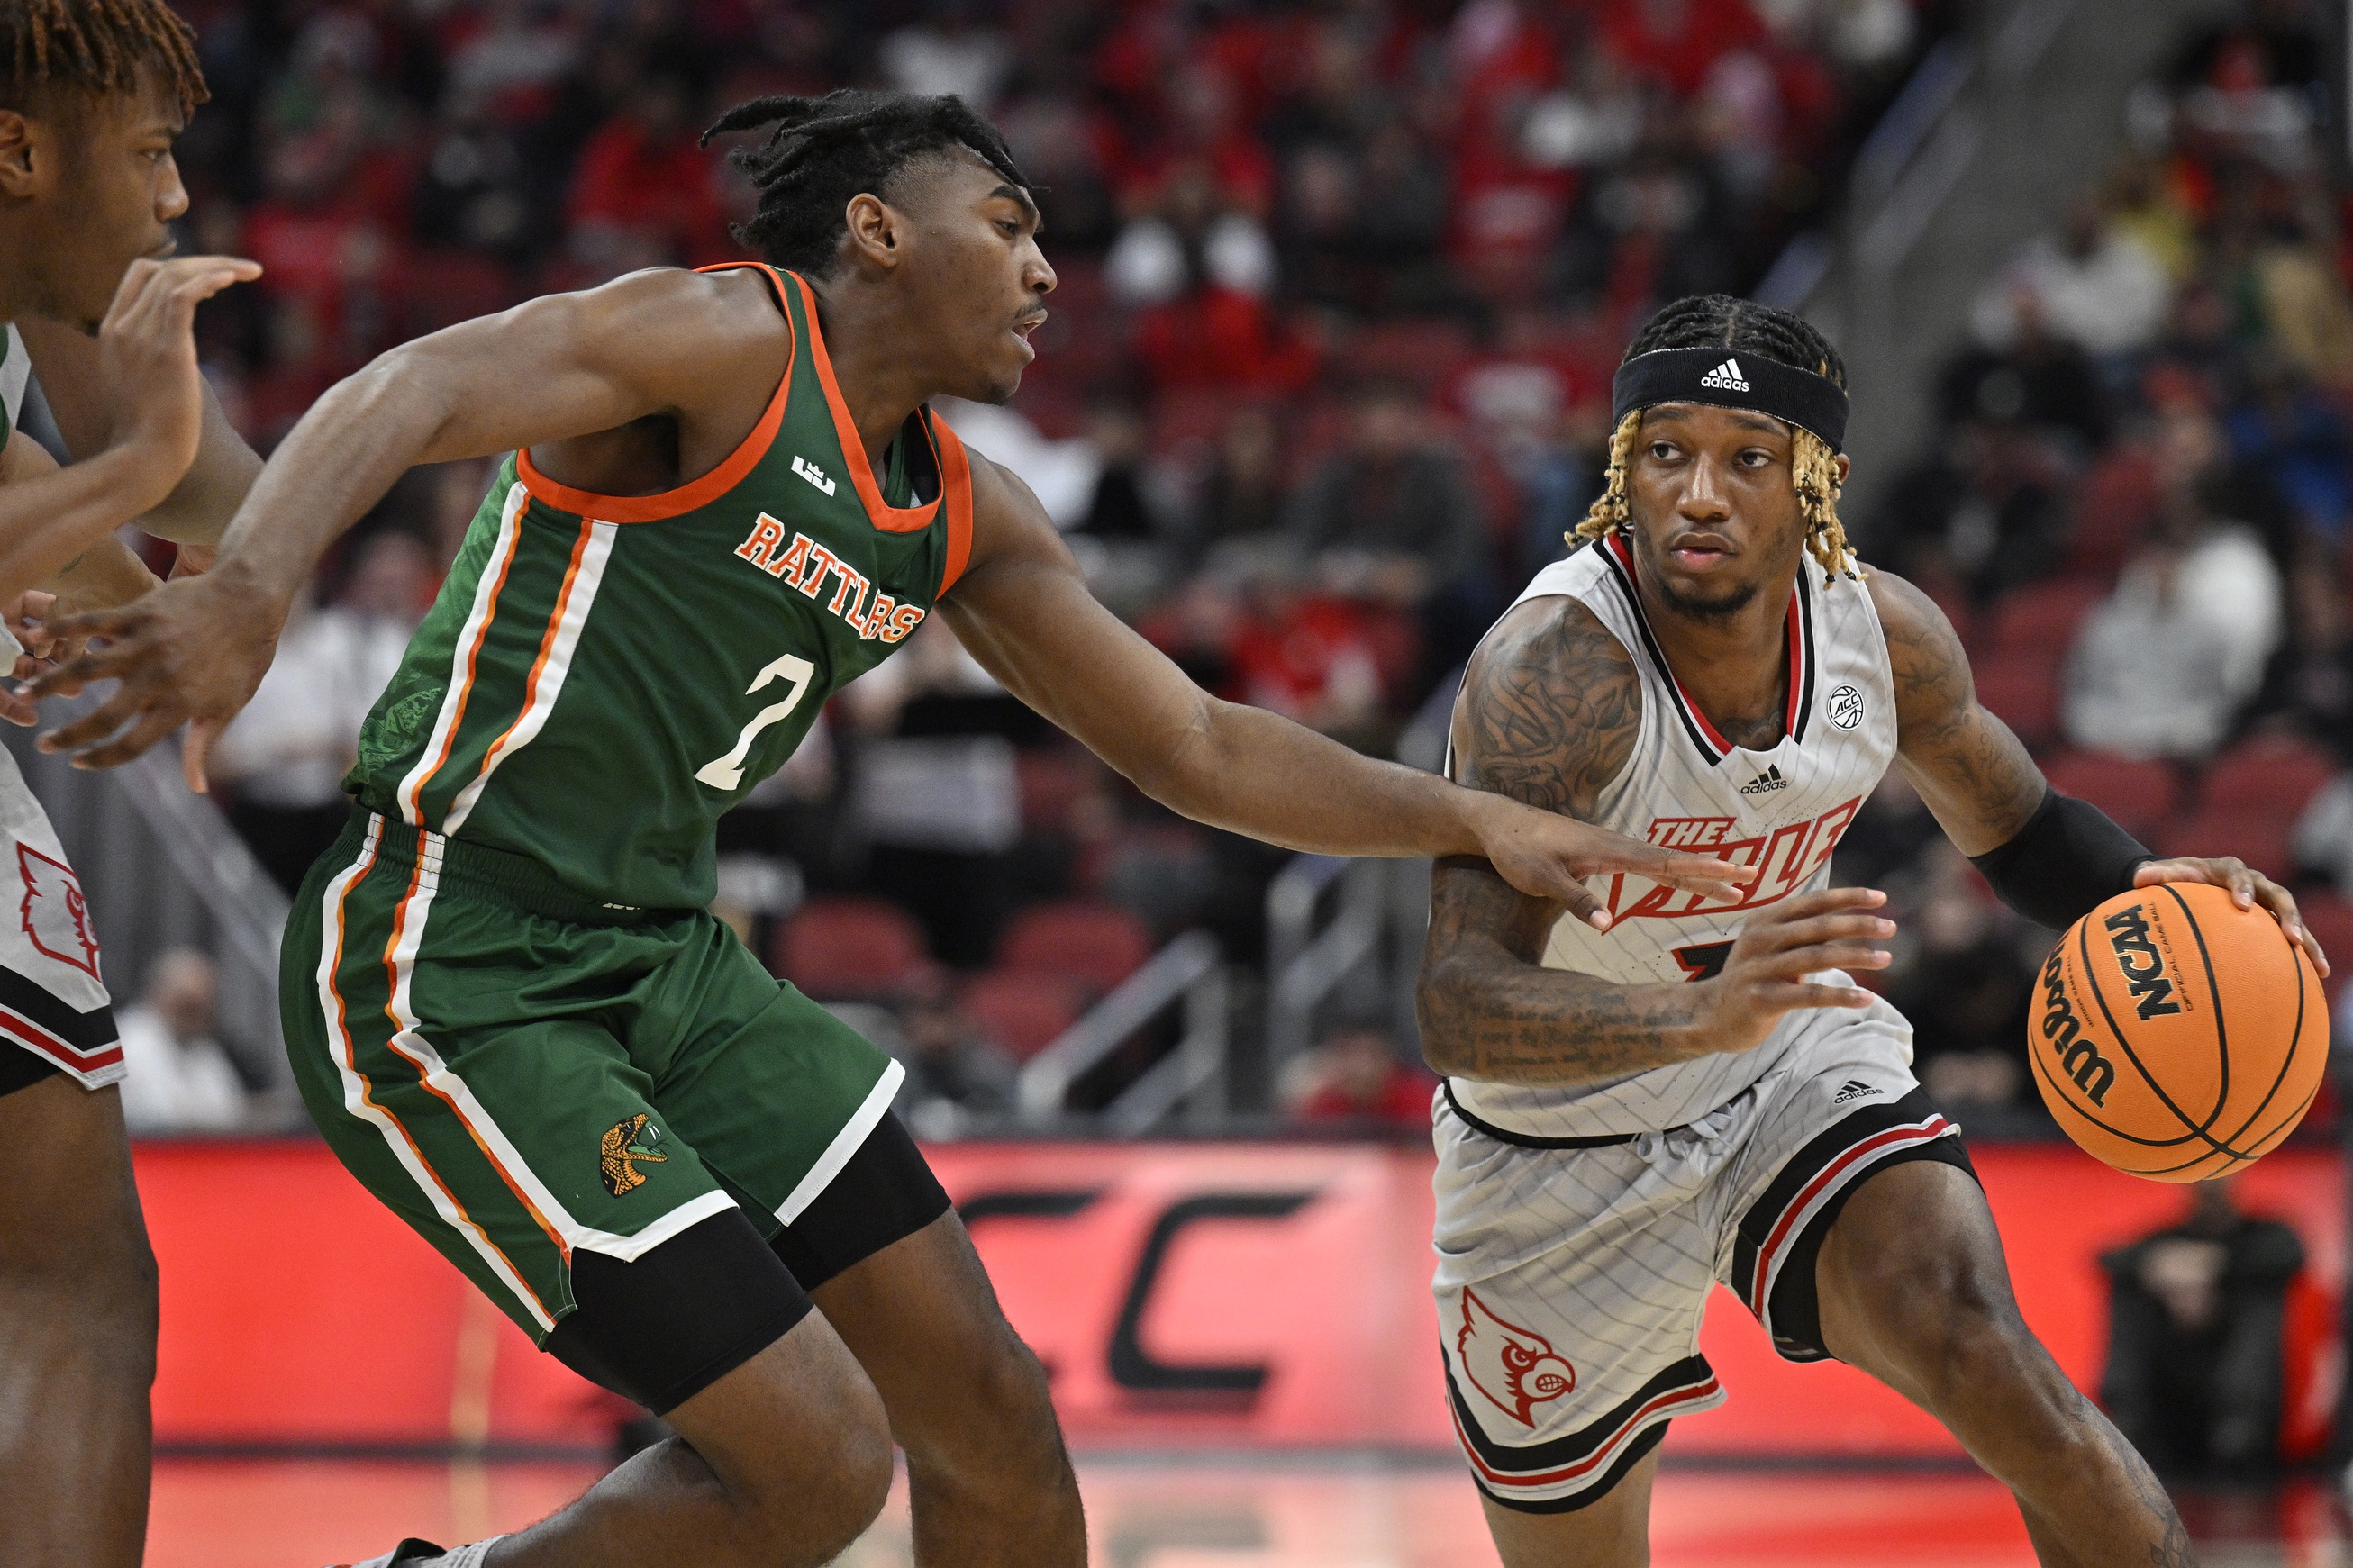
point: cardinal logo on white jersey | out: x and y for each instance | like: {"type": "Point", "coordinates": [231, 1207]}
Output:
{"type": "Point", "coordinates": [56, 915]}
{"type": "Point", "coordinates": [1515, 1368]}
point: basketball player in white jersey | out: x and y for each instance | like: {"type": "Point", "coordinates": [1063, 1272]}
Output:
{"type": "Point", "coordinates": [92, 95]}
{"type": "Point", "coordinates": [1699, 1093]}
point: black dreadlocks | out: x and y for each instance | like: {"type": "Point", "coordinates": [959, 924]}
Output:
{"type": "Point", "coordinates": [1719, 321]}
{"type": "Point", "coordinates": [94, 47]}
{"type": "Point", "coordinates": [825, 151]}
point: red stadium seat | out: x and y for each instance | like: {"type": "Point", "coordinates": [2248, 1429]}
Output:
{"type": "Point", "coordinates": [2140, 795]}
{"type": "Point", "coordinates": [2212, 832]}
{"type": "Point", "coordinates": [2330, 920]}
{"type": "Point", "coordinates": [2022, 690]}
{"type": "Point", "coordinates": [2042, 617]}
{"type": "Point", "coordinates": [2270, 776]}
{"type": "Point", "coordinates": [2116, 504]}
{"type": "Point", "coordinates": [1097, 943]}
{"type": "Point", "coordinates": [1021, 1011]}
{"type": "Point", "coordinates": [1421, 352]}
{"type": "Point", "coordinates": [840, 948]}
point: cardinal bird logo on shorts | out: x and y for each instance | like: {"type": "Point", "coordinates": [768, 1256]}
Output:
{"type": "Point", "coordinates": [56, 915]}
{"type": "Point", "coordinates": [1515, 1368]}
{"type": "Point", "coordinates": [621, 1146]}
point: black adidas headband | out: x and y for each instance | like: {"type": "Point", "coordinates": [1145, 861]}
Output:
{"type": "Point", "coordinates": [1728, 378]}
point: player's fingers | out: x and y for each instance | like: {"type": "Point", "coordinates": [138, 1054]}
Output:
{"type": "Point", "coordinates": [1820, 928]}
{"type": "Point", "coordinates": [2281, 905]}
{"type": "Point", "coordinates": [1582, 904]}
{"type": "Point", "coordinates": [1798, 963]}
{"type": "Point", "coordinates": [18, 711]}
{"type": "Point", "coordinates": [97, 723]}
{"type": "Point", "coordinates": [196, 749]}
{"type": "Point", "coordinates": [151, 727]}
{"type": "Point", "coordinates": [1787, 997]}
{"type": "Point", "coordinates": [1700, 874]}
{"type": "Point", "coordinates": [1807, 905]}
{"type": "Point", "coordinates": [106, 661]}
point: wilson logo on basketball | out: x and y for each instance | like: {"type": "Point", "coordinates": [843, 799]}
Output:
{"type": "Point", "coordinates": [1515, 1368]}
{"type": "Point", "coordinates": [2144, 966]}
{"type": "Point", "coordinates": [2079, 1058]}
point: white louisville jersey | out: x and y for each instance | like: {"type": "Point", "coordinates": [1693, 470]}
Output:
{"type": "Point", "coordinates": [52, 1000]}
{"type": "Point", "coordinates": [16, 374]}
{"type": "Point", "coordinates": [1781, 809]}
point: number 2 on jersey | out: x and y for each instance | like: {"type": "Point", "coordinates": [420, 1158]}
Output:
{"type": "Point", "coordinates": [727, 771]}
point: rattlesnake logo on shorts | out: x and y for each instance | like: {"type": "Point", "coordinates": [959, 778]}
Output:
{"type": "Point", "coordinates": [54, 913]}
{"type": "Point", "coordinates": [1515, 1368]}
{"type": "Point", "coordinates": [622, 1145]}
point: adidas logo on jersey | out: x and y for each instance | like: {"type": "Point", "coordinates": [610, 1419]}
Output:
{"type": "Point", "coordinates": [1767, 782]}
{"type": "Point", "coordinates": [1725, 377]}
{"type": "Point", "coordinates": [815, 475]}
{"type": "Point", "coordinates": [1854, 1088]}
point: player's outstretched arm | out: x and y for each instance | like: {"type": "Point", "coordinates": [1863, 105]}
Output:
{"type": "Point", "coordinates": [65, 363]}
{"type": "Point", "coordinates": [1023, 610]}
{"type": "Point", "coordinates": [658, 343]}
{"type": "Point", "coordinates": [146, 363]}
{"type": "Point", "coordinates": [1548, 715]}
{"type": "Point", "coordinates": [2053, 858]}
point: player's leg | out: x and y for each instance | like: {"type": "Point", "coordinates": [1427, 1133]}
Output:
{"type": "Point", "coordinates": [457, 1055]}
{"type": "Point", "coordinates": [76, 1327]}
{"type": "Point", "coordinates": [790, 1107]}
{"type": "Point", "coordinates": [990, 1481]}
{"type": "Point", "coordinates": [1571, 1284]}
{"type": "Point", "coordinates": [1913, 1289]}
{"type": "Point", "coordinates": [1613, 1532]}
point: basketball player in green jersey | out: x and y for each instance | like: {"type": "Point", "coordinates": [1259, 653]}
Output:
{"type": "Point", "coordinates": [509, 1012]}
{"type": "Point", "coordinates": [91, 94]}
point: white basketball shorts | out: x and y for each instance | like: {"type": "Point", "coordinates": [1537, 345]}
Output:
{"type": "Point", "coordinates": [54, 1013]}
{"type": "Point", "coordinates": [1573, 1273]}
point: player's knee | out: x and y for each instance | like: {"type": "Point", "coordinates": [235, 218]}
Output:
{"type": "Point", "coordinates": [996, 1423]}
{"type": "Point", "coordinates": [810, 1509]}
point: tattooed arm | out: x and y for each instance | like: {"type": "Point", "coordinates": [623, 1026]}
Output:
{"type": "Point", "coordinates": [1548, 715]}
{"type": "Point", "coordinates": [1983, 788]}
{"type": "Point", "coordinates": [1974, 775]}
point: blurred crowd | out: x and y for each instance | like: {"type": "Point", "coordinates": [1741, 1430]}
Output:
{"type": "Point", "coordinates": [1342, 283]}
{"type": "Point", "coordinates": [2136, 511]}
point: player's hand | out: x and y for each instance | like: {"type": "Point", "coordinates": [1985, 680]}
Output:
{"type": "Point", "coordinates": [193, 560]}
{"type": "Point", "coordinates": [2248, 888]}
{"type": "Point", "coordinates": [27, 621]}
{"type": "Point", "coordinates": [147, 358]}
{"type": "Point", "coordinates": [1547, 856]}
{"type": "Point", "coordinates": [1764, 977]}
{"type": "Point", "coordinates": [190, 652]}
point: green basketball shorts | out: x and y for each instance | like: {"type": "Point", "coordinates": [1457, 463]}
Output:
{"type": "Point", "coordinates": [523, 1075]}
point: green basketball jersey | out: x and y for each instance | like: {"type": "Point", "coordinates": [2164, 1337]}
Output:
{"type": "Point", "coordinates": [15, 370]}
{"type": "Point", "coordinates": [602, 677]}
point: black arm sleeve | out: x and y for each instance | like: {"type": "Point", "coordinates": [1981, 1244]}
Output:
{"type": "Point", "coordinates": [2067, 860]}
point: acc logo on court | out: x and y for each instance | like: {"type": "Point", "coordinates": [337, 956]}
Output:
{"type": "Point", "coordinates": [1846, 707]}
{"type": "Point", "coordinates": [1515, 1368]}
{"type": "Point", "coordinates": [56, 915]}
{"type": "Point", "coordinates": [626, 1140]}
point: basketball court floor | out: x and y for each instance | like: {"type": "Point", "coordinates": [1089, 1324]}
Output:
{"type": "Point", "coordinates": [1239, 1511]}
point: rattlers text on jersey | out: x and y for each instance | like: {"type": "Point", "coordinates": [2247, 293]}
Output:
{"type": "Point", "coordinates": [1781, 809]}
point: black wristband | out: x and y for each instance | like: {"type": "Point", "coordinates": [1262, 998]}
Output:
{"type": "Point", "coordinates": [2068, 860]}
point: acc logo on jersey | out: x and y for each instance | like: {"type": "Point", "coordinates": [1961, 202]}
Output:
{"type": "Point", "coordinates": [56, 915]}
{"type": "Point", "coordinates": [1515, 1368]}
{"type": "Point", "coordinates": [1846, 707]}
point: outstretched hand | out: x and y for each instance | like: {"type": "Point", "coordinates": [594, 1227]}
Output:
{"type": "Point", "coordinates": [1549, 856]}
{"type": "Point", "coordinates": [147, 354]}
{"type": "Point", "coordinates": [191, 652]}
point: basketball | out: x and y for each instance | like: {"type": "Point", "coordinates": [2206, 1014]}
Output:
{"type": "Point", "coordinates": [2175, 1035]}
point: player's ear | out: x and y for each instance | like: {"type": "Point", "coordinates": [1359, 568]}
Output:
{"type": "Point", "coordinates": [19, 171]}
{"type": "Point", "coordinates": [1845, 467]}
{"type": "Point", "coordinates": [876, 233]}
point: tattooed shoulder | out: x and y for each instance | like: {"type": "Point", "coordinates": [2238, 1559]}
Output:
{"type": "Point", "coordinates": [1549, 709]}
{"type": "Point", "coordinates": [1931, 672]}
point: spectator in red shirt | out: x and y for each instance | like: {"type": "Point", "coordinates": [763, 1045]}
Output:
{"type": "Point", "coordinates": [1677, 42]}
{"type": "Point", "coordinates": [1356, 1075]}
{"type": "Point", "coordinates": [644, 191]}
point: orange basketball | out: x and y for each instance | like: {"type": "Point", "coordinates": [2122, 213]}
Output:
{"type": "Point", "coordinates": [2175, 1035]}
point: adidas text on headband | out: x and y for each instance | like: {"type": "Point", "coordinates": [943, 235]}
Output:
{"type": "Point", "coordinates": [1724, 378]}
